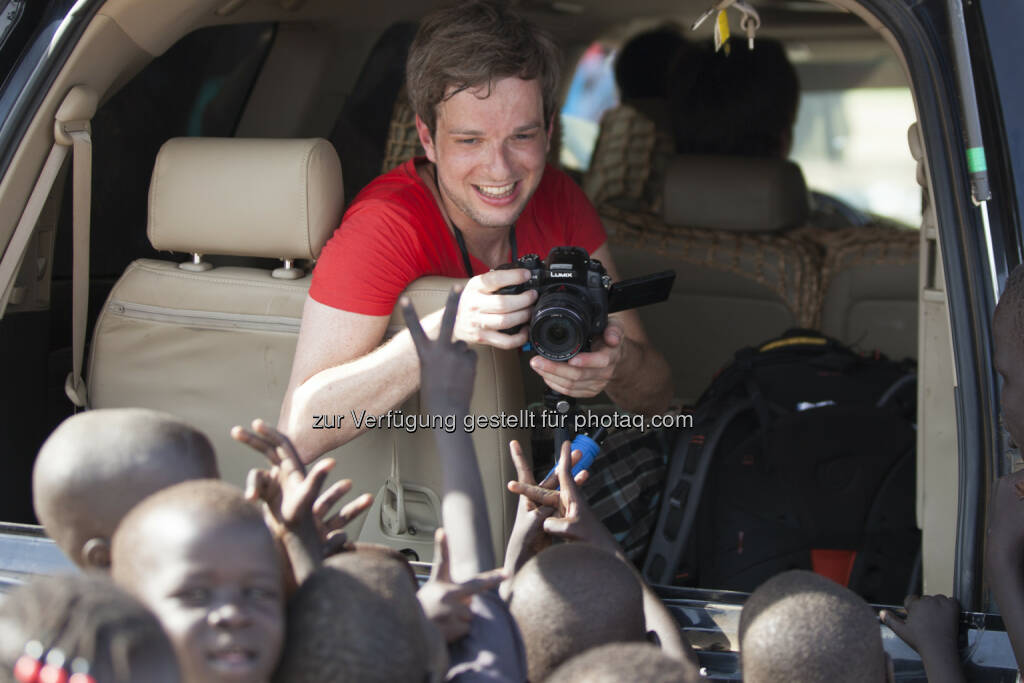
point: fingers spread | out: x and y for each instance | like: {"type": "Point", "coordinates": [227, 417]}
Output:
{"type": "Point", "coordinates": [354, 509]}
{"type": "Point", "coordinates": [331, 496]}
{"type": "Point", "coordinates": [537, 494]}
{"type": "Point", "coordinates": [243, 435]}
{"type": "Point", "coordinates": [523, 471]}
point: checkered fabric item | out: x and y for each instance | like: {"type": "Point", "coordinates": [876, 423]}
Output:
{"type": "Point", "coordinates": [625, 484]}
{"type": "Point", "coordinates": [403, 141]}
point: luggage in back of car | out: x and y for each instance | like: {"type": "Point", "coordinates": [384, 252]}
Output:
{"type": "Point", "coordinates": [802, 456]}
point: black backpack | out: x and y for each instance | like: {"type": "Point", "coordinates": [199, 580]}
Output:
{"type": "Point", "coordinates": [802, 456]}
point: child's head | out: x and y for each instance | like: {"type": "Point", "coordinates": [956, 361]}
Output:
{"type": "Point", "coordinates": [1008, 340]}
{"type": "Point", "coordinates": [88, 623]}
{"type": "Point", "coordinates": [573, 597]}
{"type": "Point", "coordinates": [799, 626]}
{"type": "Point", "coordinates": [355, 619]}
{"type": "Point", "coordinates": [98, 464]}
{"type": "Point", "coordinates": [621, 662]}
{"type": "Point", "coordinates": [200, 556]}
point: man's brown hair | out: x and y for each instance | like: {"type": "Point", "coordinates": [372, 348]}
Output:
{"type": "Point", "coordinates": [472, 45]}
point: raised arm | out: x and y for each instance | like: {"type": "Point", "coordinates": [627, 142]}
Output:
{"type": "Point", "coordinates": [447, 370]}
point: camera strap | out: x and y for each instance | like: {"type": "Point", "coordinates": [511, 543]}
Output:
{"type": "Point", "coordinates": [460, 240]}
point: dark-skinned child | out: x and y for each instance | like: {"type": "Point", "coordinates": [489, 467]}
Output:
{"type": "Point", "coordinates": [601, 598]}
{"type": "Point", "coordinates": [491, 649]}
{"type": "Point", "coordinates": [200, 556]}
{"type": "Point", "coordinates": [620, 663]}
{"type": "Point", "coordinates": [800, 627]}
{"type": "Point", "coordinates": [356, 619]}
{"type": "Point", "coordinates": [70, 627]}
{"type": "Point", "coordinates": [1004, 544]}
{"type": "Point", "coordinates": [98, 464]}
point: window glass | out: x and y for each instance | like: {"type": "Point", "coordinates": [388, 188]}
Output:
{"type": "Point", "coordinates": [591, 92]}
{"type": "Point", "coordinates": [853, 144]}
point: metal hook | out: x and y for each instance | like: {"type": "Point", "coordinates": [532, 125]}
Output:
{"type": "Point", "coordinates": [749, 22]}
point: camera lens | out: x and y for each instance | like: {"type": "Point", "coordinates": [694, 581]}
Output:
{"type": "Point", "coordinates": [560, 326]}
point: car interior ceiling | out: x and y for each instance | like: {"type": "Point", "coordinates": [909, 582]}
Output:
{"type": "Point", "coordinates": [222, 75]}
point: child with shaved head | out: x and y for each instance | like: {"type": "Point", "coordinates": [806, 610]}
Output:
{"type": "Point", "coordinates": [800, 626]}
{"type": "Point", "coordinates": [357, 619]}
{"type": "Point", "coordinates": [599, 596]}
{"type": "Point", "coordinates": [570, 598]}
{"type": "Point", "coordinates": [201, 557]}
{"type": "Point", "coordinates": [98, 464]}
{"type": "Point", "coordinates": [619, 662]}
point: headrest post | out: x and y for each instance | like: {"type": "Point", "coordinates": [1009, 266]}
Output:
{"type": "Point", "coordinates": [197, 264]}
{"type": "Point", "coordinates": [288, 271]}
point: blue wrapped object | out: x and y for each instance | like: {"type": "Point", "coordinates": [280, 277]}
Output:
{"type": "Point", "coordinates": [588, 447]}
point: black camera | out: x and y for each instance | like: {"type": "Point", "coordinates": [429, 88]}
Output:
{"type": "Point", "coordinates": [576, 295]}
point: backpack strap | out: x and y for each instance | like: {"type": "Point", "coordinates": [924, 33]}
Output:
{"type": "Point", "coordinates": [687, 470]}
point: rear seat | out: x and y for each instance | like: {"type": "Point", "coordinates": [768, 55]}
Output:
{"type": "Point", "coordinates": [214, 345]}
{"type": "Point", "coordinates": [744, 273]}
{"type": "Point", "coordinates": [739, 280]}
{"type": "Point", "coordinates": [870, 288]}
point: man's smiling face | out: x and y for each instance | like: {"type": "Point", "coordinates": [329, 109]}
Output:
{"type": "Point", "coordinates": [490, 148]}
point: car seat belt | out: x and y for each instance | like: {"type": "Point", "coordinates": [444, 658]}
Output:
{"type": "Point", "coordinates": [11, 263]}
{"type": "Point", "coordinates": [72, 129]}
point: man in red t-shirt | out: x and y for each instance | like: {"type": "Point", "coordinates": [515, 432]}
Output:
{"type": "Point", "coordinates": [483, 83]}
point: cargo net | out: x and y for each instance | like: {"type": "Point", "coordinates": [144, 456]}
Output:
{"type": "Point", "coordinates": [785, 266]}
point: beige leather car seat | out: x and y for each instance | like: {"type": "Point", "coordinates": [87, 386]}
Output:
{"type": "Point", "coordinates": [214, 345]}
{"type": "Point", "coordinates": [739, 278]}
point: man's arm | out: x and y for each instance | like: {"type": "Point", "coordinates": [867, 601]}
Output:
{"type": "Point", "coordinates": [340, 365]}
{"type": "Point", "coordinates": [338, 368]}
{"type": "Point", "coordinates": [623, 363]}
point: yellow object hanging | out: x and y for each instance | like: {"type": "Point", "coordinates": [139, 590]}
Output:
{"type": "Point", "coordinates": [722, 32]}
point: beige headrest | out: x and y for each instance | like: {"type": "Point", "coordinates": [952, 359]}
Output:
{"type": "Point", "coordinates": [734, 193]}
{"type": "Point", "coordinates": [245, 197]}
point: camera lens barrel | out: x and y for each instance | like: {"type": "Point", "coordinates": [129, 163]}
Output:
{"type": "Point", "coordinates": [561, 325]}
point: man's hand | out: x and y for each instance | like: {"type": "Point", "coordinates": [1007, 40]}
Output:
{"type": "Point", "coordinates": [482, 313]}
{"type": "Point", "coordinates": [446, 602]}
{"type": "Point", "coordinates": [289, 493]}
{"type": "Point", "coordinates": [447, 368]}
{"type": "Point", "coordinates": [330, 526]}
{"type": "Point", "coordinates": [586, 374]}
{"type": "Point", "coordinates": [572, 520]}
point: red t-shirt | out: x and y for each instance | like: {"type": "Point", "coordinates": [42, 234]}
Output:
{"type": "Point", "coordinates": [394, 233]}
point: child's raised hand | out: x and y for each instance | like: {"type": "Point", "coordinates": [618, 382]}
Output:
{"type": "Point", "coordinates": [330, 526]}
{"type": "Point", "coordinates": [573, 519]}
{"type": "Point", "coordinates": [289, 492]}
{"type": "Point", "coordinates": [447, 368]}
{"type": "Point", "coordinates": [931, 622]}
{"type": "Point", "coordinates": [446, 602]}
{"type": "Point", "coordinates": [931, 629]}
